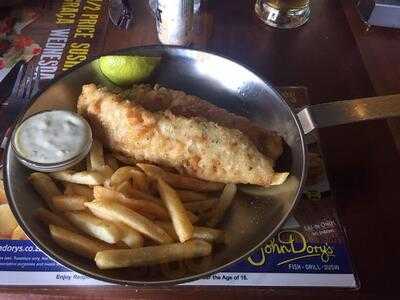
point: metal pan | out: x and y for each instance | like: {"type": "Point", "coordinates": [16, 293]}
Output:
{"type": "Point", "coordinates": [224, 83]}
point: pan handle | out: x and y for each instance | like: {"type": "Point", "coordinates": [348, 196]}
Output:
{"type": "Point", "coordinates": [349, 111]}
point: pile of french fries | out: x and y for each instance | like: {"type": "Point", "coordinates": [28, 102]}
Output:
{"type": "Point", "coordinates": [132, 215]}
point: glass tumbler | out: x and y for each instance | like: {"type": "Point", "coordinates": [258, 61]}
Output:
{"type": "Point", "coordinates": [283, 13]}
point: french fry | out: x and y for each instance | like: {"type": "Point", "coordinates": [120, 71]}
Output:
{"type": "Point", "coordinates": [180, 181]}
{"type": "Point", "coordinates": [149, 207]}
{"type": "Point", "coordinates": [47, 217]}
{"type": "Point", "coordinates": [149, 216]}
{"type": "Point", "coordinates": [169, 228]}
{"type": "Point", "coordinates": [183, 226]}
{"type": "Point", "coordinates": [111, 210]}
{"type": "Point", "coordinates": [122, 174]}
{"type": "Point", "coordinates": [106, 171]}
{"type": "Point", "coordinates": [128, 190]}
{"type": "Point", "coordinates": [78, 189]}
{"type": "Point", "coordinates": [76, 243]}
{"type": "Point", "coordinates": [131, 237]}
{"type": "Point", "coordinates": [111, 161]}
{"type": "Point", "coordinates": [135, 193]}
{"type": "Point", "coordinates": [200, 206]}
{"type": "Point", "coordinates": [96, 156]}
{"type": "Point", "coordinates": [69, 202]}
{"type": "Point", "coordinates": [192, 217]}
{"type": "Point", "coordinates": [189, 196]}
{"type": "Point", "coordinates": [203, 233]}
{"type": "Point", "coordinates": [279, 178]}
{"type": "Point", "coordinates": [84, 177]}
{"type": "Point", "coordinates": [124, 187]}
{"type": "Point", "coordinates": [3, 197]}
{"type": "Point", "coordinates": [83, 190]}
{"type": "Point", "coordinates": [7, 221]}
{"type": "Point", "coordinates": [18, 234]}
{"type": "Point", "coordinates": [127, 172]}
{"type": "Point", "coordinates": [209, 234]}
{"type": "Point", "coordinates": [45, 187]}
{"type": "Point", "coordinates": [110, 259]}
{"type": "Point", "coordinates": [140, 181]}
{"type": "Point", "coordinates": [95, 227]}
{"type": "Point", "coordinates": [223, 204]}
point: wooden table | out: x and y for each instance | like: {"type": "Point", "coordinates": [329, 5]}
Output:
{"type": "Point", "coordinates": [337, 58]}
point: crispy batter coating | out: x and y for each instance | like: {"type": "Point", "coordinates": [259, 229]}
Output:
{"type": "Point", "coordinates": [159, 98]}
{"type": "Point", "coordinates": [193, 145]}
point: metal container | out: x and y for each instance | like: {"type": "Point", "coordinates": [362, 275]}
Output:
{"type": "Point", "coordinates": [52, 167]}
{"type": "Point", "coordinates": [174, 19]}
{"type": "Point", "coordinates": [250, 222]}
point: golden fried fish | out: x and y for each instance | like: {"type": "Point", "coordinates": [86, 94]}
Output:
{"type": "Point", "coordinates": [181, 104]}
{"type": "Point", "coordinates": [192, 145]}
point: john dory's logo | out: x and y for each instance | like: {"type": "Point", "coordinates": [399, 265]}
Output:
{"type": "Point", "coordinates": [290, 242]}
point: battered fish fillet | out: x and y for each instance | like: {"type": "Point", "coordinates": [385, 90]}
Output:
{"type": "Point", "coordinates": [194, 146]}
{"type": "Point", "coordinates": [159, 98]}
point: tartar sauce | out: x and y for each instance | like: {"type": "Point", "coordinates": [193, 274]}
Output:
{"type": "Point", "coordinates": [52, 137]}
